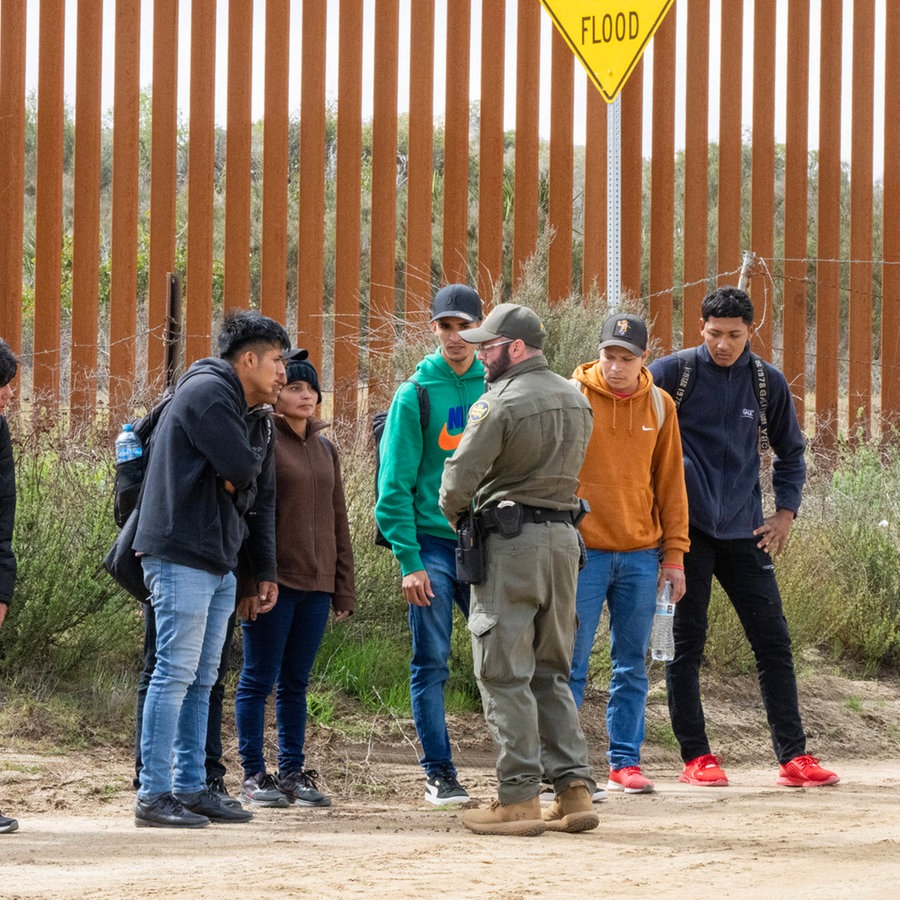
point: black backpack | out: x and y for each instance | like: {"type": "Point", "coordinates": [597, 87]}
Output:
{"type": "Point", "coordinates": [378, 423]}
{"type": "Point", "coordinates": [130, 475]}
{"type": "Point", "coordinates": [687, 373]}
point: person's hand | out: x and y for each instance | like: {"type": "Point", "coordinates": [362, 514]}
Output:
{"type": "Point", "coordinates": [417, 588]}
{"type": "Point", "coordinates": [3, 608]}
{"type": "Point", "coordinates": [675, 577]}
{"type": "Point", "coordinates": [228, 486]}
{"type": "Point", "coordinates": [774, 532]}
{"type": "Point", "coordinates": [247, 607]}
{"type": "Point", "coordinates": [268, 596]}
{"type": "Point", "coordinates": [341, 615]}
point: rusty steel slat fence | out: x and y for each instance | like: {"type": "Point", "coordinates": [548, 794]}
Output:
{"type": "Point", "coordinates": [346, 239]}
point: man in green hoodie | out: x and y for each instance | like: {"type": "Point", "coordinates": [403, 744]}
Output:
{"type": "Point", "coordinates": [407, 514]}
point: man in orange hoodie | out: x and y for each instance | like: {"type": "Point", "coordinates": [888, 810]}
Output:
{"type": "Point", "coordinates": [636, 534]}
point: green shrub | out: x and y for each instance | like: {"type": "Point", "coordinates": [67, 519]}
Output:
{"type": "Point", "coordinates": [67, 617]}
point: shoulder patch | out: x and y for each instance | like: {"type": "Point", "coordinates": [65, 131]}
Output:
{"type": "Point", "coordinates": [479, 410]}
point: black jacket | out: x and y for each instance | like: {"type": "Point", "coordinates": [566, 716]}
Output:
{"type": "Point", "coordinates": [205, 437]}
{"type": "Point", "coordinates": [7, 514]}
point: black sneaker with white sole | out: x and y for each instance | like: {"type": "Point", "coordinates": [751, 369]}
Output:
{"type": "Point", "coordinates": [441, 789]}
{"type": "Point", "coordinates": [300, 788]}
{"type": "Point", "coordinates": [217, 786]}
{"type": "Point", "coordinates": [7, 825]}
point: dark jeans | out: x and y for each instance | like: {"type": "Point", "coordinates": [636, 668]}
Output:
{"type": "Point", "coordinates": [747, 575]}
{"type": "Point", "coordinates": [280, 645]}
{"type": "Point", "coordinates": [214, 766]}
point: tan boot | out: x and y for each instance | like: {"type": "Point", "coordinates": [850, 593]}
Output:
{"type": "Point", "coordinates": [572, 810]}
{"type": "Point", "coordinates": [522, 819]}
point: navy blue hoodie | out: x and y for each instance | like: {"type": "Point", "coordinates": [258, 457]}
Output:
{"type": "Point", "coordinates": [719, 425]}
{"type": "Point", "coordinates": [205, 437]}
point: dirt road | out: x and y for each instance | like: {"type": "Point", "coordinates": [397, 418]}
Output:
{"type": "Point", "coordinates": [380, 839]}
{"type": "Point", "coordinates": [751, 839]}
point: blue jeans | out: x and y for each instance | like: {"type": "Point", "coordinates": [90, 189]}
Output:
{"type": "Point", "coordinates": [627, 581]}
{"type": "Point", "coordinates": [431, 627]}
{"type": "Point", "coordinates": [215, 768]}
{"type": "Point", "coordinates": [192, 608]}
{"type": "Point", "coordinates": [747, 576]}
{"type": "Point", "coordinates": [281, 644]}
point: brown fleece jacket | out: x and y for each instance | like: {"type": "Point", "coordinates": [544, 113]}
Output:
{"type": "Point", "coordinates": [312, 534]}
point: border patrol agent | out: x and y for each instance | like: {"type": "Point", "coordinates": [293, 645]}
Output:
{"type": "Point", "coordinates": [517, 467]}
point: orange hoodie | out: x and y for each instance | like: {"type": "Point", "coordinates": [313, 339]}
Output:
{"type": "Point", "coordinates": [633, 472]}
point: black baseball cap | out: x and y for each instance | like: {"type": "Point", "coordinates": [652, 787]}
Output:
{"type": "Point", "coordinates": [624, 330]}
{"type": "Point", "coordinates": [457, 300]}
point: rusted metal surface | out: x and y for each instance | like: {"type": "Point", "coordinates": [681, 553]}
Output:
{"type": "Point", "coordinates": [164, 184]}
{"type": "Point", "coordinates": [347, 235]}
{"type": "Point", "coordinates": [490, 159]}
{"type": "Point", "coordinates": [86, 214]}
{"type": "Point", "coordinates": [861, 221]}
{"type": "Point", "coordinates": [828, 245]}
{"type": "Point", "coordinates": [48, 205]}
{"type": "Point", "coordinates": [662, 184]}
{"type": "Point", "coordinates": [559, 276]}
{"type": "Point", "coordinates": [796, 184]}
{"type": "Point", "coordinates": [273, 301]}
{"type": "Point", "coordinates": [474, 220]}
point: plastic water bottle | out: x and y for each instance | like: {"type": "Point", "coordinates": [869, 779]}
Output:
{"type": "Point", "coordinates": [662, 640]}
{"type": "Point", "coordinates": [128, 445]}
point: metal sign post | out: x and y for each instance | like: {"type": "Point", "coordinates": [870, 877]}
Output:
{"type": "Point", "coordinates": [609, 39]}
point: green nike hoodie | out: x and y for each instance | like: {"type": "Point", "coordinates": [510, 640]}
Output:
{"type": "Point", "coordinates": [412, 460]}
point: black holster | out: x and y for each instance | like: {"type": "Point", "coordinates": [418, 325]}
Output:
{"type": "Point", "coordinates": [469, 550]}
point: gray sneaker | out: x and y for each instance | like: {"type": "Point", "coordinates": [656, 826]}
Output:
{"type": "Point", "coordinates": [7, 825]}
{"type": "Point", "coordinates": [441, 789]}
{"type": "Point", "coordinates": [300, 788]}
{"type": "Point", "coordinates": [261, 790]}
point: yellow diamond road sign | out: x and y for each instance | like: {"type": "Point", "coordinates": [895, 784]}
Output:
{"type": "Point", "coordinates": [608, 36]}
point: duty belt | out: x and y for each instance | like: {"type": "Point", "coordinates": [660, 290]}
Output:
{"type": "Point", "coordinates": [533, 514]}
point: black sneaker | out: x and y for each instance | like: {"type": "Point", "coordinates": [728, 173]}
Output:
{"type": "Point", "coordinates": [300, 788]}
{"type": "Point", "coordinates": [261, 790]}
{"type": "Point", "coordinates": [206, 803]}
{"type": "Point", "coordinates": [166, 812]}
{"type": "Point", "coordinates": [441, 789]}
{"type": "Point", "coordinates": [7, 825]}
{"type": "Point", "coordinates": [217, 786]}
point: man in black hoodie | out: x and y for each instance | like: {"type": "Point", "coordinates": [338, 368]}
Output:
{"type": "Point", "coordinates": [209, 489]}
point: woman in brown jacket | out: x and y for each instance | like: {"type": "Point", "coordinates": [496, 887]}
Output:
{"type": "Point", "coordinates": [315, 574]}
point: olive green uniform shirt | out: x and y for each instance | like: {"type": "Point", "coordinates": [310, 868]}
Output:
{"type": "Point", "coordinates": [525, 440]}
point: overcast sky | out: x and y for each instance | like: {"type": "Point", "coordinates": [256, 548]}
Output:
{"type": "Point", "coordinates": [581, 83]}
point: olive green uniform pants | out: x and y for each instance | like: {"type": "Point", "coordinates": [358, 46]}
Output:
{"type": "Point", "coordinates": [522, 621]}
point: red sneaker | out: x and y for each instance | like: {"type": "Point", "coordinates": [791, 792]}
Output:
{"type": "Point", "coordinates": [704, 771]}
{"type": "Point", "coordinates": [805, 771]}
{"type": "Point", "coordinates": [630, 780]}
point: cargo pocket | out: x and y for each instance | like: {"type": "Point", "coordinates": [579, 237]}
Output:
{"type": "Point", "coordinates": [480, 623]}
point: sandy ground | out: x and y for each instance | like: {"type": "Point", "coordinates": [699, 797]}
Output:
{"type": "Point", "coordinates": [751, 839]}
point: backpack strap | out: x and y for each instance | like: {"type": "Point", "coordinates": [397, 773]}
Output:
{"type": "Point", "coordinates": [761, 389]}
{"type": "Point", "coordinates": [687, 374]}
{"type": "Point", "coordinates": [659, 406]}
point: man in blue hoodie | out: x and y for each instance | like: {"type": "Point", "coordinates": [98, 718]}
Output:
{"type": "Point", "coordinates": [208, 489]}
{"type": "Point", "coordinates": [407, 514]}
{"type": "Point", "coordinates": [730, 538]}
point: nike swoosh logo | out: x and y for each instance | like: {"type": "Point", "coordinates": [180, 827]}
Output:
{"type": "Point", "coordinates": [647, 428]}
{"type": "Point", "coordinates": [447, 441]}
